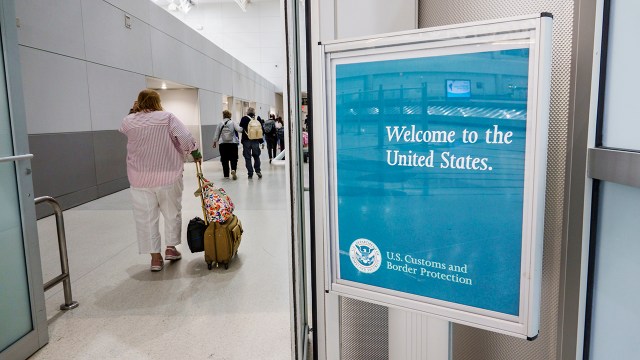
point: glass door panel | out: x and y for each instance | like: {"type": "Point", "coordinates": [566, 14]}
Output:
{"type": "Point", "coordinates": [620, 125]}
{"type": "Point", "coordinates": [616, 291]}
{"type": "Point", "coordinates": [15, 309]}
{"type": "Point", "coordinates": [23, 326]}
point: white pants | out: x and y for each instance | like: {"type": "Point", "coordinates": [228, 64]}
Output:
{"type": "Point", "coordinates": [148, 203]}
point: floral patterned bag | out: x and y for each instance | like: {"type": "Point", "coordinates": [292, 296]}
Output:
{"type": "Point", "coordinates": [217, 204]}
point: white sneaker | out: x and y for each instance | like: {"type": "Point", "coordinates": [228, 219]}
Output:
{"type": "Point", "coordinates": [233, 174]}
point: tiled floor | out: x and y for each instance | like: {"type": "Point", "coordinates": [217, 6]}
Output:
{"type": "Point", "coordinates": [184, 311]}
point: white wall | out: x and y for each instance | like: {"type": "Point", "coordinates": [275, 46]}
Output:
{"type": "Point", "coordinates": [56, 26]}
{"type": "Point", "coordinates": [254, 37]}
{"type": "Point", "coordinates": [366, 17]}
{"type": "Point", "coordinates": [262, 110]}
{"type": "Point", "coordinates": [56, 92]}
{"type": "Point", "coordinates": [210, 107]}
{"type": "Point", "coordinates": [183, 103]}
{"type": "Point", "coordinates": [279, 105]}
{"type": "Point", "coordinates": [210, 115]}
{"type": "Point", "coordinates": [82, 67]}
{"type": "Point", "coordinates": [108, 42]}
{"type": "Point", "coordinates": [109, 86]}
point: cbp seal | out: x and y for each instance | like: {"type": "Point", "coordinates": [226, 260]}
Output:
{"type": "Point", "coordinates": [365, 256]}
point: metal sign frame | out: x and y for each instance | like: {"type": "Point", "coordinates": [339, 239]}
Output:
{"type": "Point", "coordinates": [533, 32]}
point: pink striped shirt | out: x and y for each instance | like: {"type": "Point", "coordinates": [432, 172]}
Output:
{"type": "Point", "coordinates": [156, 148]}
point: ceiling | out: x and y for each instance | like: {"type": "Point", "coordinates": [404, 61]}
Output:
{"type": "Point", "coordinates": [252, 31]}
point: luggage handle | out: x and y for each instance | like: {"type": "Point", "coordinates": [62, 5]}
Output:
{"type": "Point", "coordinates": [199, 192]}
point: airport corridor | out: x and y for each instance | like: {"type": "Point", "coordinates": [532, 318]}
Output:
{"type": "Point", "coordinates": [184, 311]}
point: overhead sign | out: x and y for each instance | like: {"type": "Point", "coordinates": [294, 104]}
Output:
{"type": "Point", "coordinates": [436, 150]}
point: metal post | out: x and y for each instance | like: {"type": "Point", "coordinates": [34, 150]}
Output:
{"type": "Point", "coordinates": [64, 259]}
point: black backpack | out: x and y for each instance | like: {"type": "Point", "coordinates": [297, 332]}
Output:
{"type": "Point", "coordinates": [269, 127]}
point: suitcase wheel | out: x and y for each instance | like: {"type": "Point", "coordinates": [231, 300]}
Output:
{"type": "Point", "coordinates": [209, 266]}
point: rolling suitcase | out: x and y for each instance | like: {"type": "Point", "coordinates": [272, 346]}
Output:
{"type": "Point", "coordinates": [221, 241]}
{"type": "Point", "coordinates": [223, 230]}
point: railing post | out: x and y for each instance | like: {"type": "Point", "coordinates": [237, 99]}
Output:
{"type": "Point", "coordinates": [64, 259]}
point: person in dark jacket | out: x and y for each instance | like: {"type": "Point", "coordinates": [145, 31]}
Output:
{"type": "Point", "coordinates": [250, 147]}
{"type": "Point", "coordinates": [280, 133]}
{"type": "Point", "coordinates": [271, 136]}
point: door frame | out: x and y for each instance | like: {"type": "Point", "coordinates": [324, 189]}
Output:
{"type": "Point", "coordinates": [620, 166]}
{"type": "Point", "coordinates": [38, 336]}
{"type": "Point", "coordinates": [294, 165]}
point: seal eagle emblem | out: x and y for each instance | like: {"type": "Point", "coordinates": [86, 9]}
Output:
{"type": "Point", "coordinates": [365, 256]}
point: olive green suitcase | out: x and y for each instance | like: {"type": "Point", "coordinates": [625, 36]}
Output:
{"type": "Point", "coordinates": [221, 241]}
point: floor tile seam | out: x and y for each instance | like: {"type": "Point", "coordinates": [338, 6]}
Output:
{"type": "Point", "coordinates": [270, 254]}
{"type": "Point", "coordinates": [183, 318]}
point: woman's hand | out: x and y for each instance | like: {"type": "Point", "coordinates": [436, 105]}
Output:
{"type": "Point", "coordinates": [197, 157]}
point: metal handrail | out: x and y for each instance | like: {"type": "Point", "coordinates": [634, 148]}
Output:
{"type": "Point", "coordinates": [16, 157]}
{"type": "Point", "coordinates": [64, 259]}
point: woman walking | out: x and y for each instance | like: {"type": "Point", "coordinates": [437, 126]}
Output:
{"type": "Point", "coordinates": [227, 136]}
{"type": "Point", "coordinates": [157, 144]}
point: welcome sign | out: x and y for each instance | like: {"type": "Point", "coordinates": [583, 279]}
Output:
{"type": "Point", "coordinates": [437, 155]}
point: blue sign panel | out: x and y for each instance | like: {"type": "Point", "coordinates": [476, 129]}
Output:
{"type": "Point", "coordinates": [458, 88]}
{"type": "Point", "coordinates": [430, 161]}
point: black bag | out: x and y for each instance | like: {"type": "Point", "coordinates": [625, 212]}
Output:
{"type": "Point", "coordinates": [195, 234]}
{"type": "Point", "coordinates": [270, 127]}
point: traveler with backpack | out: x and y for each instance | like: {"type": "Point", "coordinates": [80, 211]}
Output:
{"type": "Point", "coordinates": [227, 136]}
{"type": "Point", "coordinates": [252, 133]}
{"type": "Point", "coordinates": [271, 136]}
